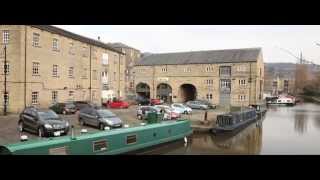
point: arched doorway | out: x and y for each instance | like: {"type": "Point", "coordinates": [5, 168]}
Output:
{"type": "Point", "coordinates": [164, 92]}
{"type": "Point", "coordinates": [143, 90]}
{"type": "Point", "coordinates": [188, 92]}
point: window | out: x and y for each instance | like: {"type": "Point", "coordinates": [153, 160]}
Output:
{"type": "Point", "coordinates": [35, 98]}
{"type": "Point", "coordinates": [131, 139]}
{"type": "Point", "coordinates": [5, 36]}
{"type": "Point", "coordinates": [105, 59]}
{"type": "Point", "coordinates": [209, 69]}
{"type": "Point", "coordinates": [209, 96]}
{"type": "Point", "coordinates": [225, 84]}
{"type": "Point", "coordinates": [242, 82]}
{"type": "Point", "coordinates": [225, 70]}
{"type": "Point", "coordinates": [94, 75]}
{"type": "Point", "coordinates": [71, 48]}
{"type": "Point", "coordinates": [105, 87]}
{"type": "Point", "coordinates": [164, 69]}
{"type": "Point", "coordinates": [71, 94]}
{"type": "Point", "coordinates": [94, 96]}
{"type": "Point", "coordinates": [242, 97]}
{"type": "Point", "coordinates": [54, 96]}
{"type": "Point", "coordinates": [55, 71]}
{"type": "Point", "coordinates": [55, 45]}
{"type": "Point", "coordinates": [35, 68]}
{"type": "Point", "coordinates": [187, 69]}
{"type": "Point", "coordinates": [36, 40]}
{"type": "Point", "coordinates": [99, 145]}
{"type": "Point", "coordinates": [241, 68]}
{"type": "Point", "coordinates": [84, 73]}
{"type": "Point", "coordinates": [6, 98]}
{"type": "Point", "coordinates": [6, 68]}
{"type": "Point", "coordinates": [209, 81]}
{"type": "Point", "coordinates": [71, 72]}
{"type": "Point", "coordinates": [84, 52]}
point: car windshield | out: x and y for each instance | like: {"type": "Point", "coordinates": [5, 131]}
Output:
{"type": "Point", "coordinates": [48, 115]}
{"type": "Point", "coordinates": [106, 114]}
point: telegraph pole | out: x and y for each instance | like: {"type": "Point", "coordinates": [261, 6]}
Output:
{"type": "Point", "coordinates": [5, 98]}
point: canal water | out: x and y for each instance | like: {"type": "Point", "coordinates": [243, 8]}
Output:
{"type": "Point", "coordinates": [283, 130]}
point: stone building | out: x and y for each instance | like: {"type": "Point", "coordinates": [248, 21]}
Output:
{"type": "Point", "coordinates": [131, 58]}
{"type": "Point", "coordinates": [224, 77]}
{"type": "Point", "coordinates": [47, 64]}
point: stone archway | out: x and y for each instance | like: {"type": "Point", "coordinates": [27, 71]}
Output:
{"type": "Point", "coordinates": [143, 90]}
{"type": "Point", "coordinates": [188, 92]}
{"type": "Point", "coordinates": [164, 92]}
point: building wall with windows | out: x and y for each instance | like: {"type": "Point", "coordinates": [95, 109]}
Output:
{"type": "Point", "coordinates": [244, 78]}
{"type": "Point", "coordinates": [47, 66]}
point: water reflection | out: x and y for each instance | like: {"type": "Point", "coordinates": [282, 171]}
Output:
{"type": "Point", "coordinates": [249, 141]}
{"type": "Point", "coordinates": [300, 122]}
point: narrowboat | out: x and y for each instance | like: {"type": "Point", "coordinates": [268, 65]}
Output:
{"type": "Point", "coordinates": [282, 100]}
{"type": "Point", "coordinates": [234, 121]}
{"type": "Point", "coordinates": [108, 142]}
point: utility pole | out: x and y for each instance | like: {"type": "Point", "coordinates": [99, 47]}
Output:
{"type": "Point", "coordinates": [5, 97]}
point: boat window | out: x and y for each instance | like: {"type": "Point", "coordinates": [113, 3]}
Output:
{"type": "Point", "coordinates": [279, 100]}
{"type": "Point", "coordinates": [131, 139]}
{"type": "Point", "coordinates": [99, 145]}
{"type": "Point", "coordinates": [58, 151]}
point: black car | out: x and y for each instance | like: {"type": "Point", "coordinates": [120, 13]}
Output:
{"type": "Point", "coordinates": [64, 108]}
{"type": "Point", "coordinates": [44, 122]}
{"type": "Point", "coordinates": [99, 117]}
{"type": "Point", "coordinates": [82, 104]}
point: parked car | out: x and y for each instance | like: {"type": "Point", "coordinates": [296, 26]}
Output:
{"type": "Point", "coordinates": [117, 104]}
{"type": "Point", "coordinates": [197, 105]}
{"type": "Point", "coordinates": [210, 105]}
{"type": "Point", "coordinates": [82, 104]}
{"type": "Point", "coordinates": [142, 100]}
{"type": "Point", "coordinates": [64, 108]}
{"type": "Point", "coordinates": [156, 101]}
{"type": "Point", "coordinates": [142, 111]}
{"type": "Point", "coordinates": [172, 113]}
{"type": "Point", "coordinates": [99, 118]}
{"type": "Point", "coordinates": [181, 108]}
{"type": "Point", "coordinates": [44, 122]}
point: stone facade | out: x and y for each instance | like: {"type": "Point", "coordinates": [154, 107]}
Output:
{"type": "Point", "coordinates": [206, 79]}
{"type": "Point", "coordinates": [47, 67]}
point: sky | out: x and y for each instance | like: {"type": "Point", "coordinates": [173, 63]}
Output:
{"type": "Point", "coordinates": [274, 40]}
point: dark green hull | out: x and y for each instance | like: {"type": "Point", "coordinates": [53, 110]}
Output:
{"type": "Point", "coordinates": [117, 141]}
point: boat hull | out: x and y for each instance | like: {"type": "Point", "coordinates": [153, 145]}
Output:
{"type": "Point", "coordinates": [112, 142]}
{"type": "Point", "coordinates": [234, 128]}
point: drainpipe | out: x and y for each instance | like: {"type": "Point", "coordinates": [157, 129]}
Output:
{"type": "Point", "coordinates": [119, 77]}
{"type": "Point", "coordinates": [250, 84]}
{"type": "Point", "coordinates": [5, 81]}
{"type": "Point", "coordinates": [153, 92]}
{"type": "Point", "coordinates": [25, 66]}
{"type": "Point", "coordinates": [90, 73]}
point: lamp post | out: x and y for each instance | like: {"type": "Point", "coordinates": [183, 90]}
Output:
{"type": "Point", "coordinates": [5, 97]}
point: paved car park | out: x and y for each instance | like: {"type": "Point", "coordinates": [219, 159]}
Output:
{"type": "Point", "coordinates": [9, 124]}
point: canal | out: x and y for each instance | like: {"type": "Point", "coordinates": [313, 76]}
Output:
{"type": "Point", "coordinates": [283, 130]}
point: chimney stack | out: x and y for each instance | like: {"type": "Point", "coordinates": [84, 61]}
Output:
{"type": "Point", "coordinates": [99, 38]}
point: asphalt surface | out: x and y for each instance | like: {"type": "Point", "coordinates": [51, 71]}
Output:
{"type": "Point", "coordinates": [9, 124]}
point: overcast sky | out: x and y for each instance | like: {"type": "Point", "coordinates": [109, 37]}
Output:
{"type": "Point", "coordinates": [162, 39]}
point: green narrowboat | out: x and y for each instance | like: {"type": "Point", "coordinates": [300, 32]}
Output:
{"type": "Point", "coordinates": [109, 142]}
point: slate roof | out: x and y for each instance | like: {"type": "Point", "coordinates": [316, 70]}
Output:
{"type": "Point", "coordinates": [120, 45]}
{"type": "Point", "coordinates": [202, 57]}
{"type": "Point", "coordinates": [74, 36]}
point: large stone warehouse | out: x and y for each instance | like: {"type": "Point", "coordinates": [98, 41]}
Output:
{"type": "Point", "coordinates": [224, 77]}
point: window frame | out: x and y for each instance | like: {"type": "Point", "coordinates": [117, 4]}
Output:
{"type": "Point", "coordinates": [35, 100]}
{"type": "Point", "coordinates": [55, 70]}
{"type": "Point", "coordinates": [35, 68]}
{"type": "Point", "coordinates": [35, 39]}
{"type": "Point", "coordinates": [5, 36]}
{"type": "Point", "coordinates": [55, 44]}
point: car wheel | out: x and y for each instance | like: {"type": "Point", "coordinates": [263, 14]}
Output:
{"type": "Point", "coordinates": [139, 117]}
{"type": "Point", "coordinates": [41, 132]}
{"type": "Point", "coordinates": [101, 126]}
{"type": "Point", "coordinates": [20, 126]}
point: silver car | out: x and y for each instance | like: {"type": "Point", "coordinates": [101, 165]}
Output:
{"type": "Point", "coordinates": [197, 105]}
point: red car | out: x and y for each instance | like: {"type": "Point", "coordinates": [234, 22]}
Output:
{"type": "Point", "coordinates": [156, 101]}
{"type": "Point", "coordinates": [117, 104]}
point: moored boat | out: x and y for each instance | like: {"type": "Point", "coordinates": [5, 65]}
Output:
{"type": "Point", "coordinates": [234, 121]}
{"type": "Point", "coordinates": [282, 100]}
